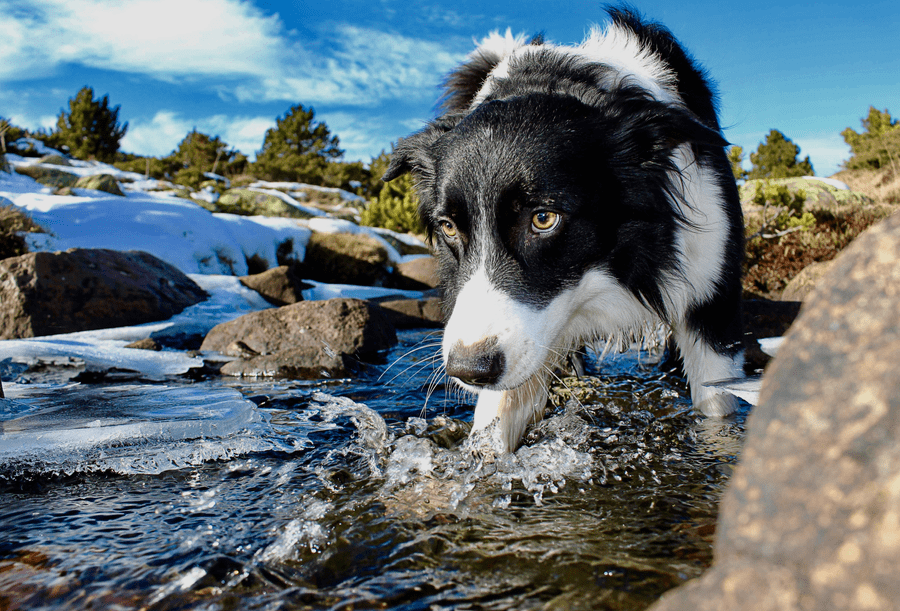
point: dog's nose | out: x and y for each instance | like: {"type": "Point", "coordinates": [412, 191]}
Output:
{"type": "Point", "coordinates": [480, 364]}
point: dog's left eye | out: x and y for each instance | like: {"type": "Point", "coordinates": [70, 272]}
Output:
{"type": "Point", "coordinates": [544, 221]}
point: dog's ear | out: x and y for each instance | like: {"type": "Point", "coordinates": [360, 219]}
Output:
{"type": "Point", "coordinates": [413, 154]}
{"type": "Point", "coordinates": [686, 128]}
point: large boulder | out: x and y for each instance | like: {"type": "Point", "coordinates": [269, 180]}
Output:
{"type": "Point", "coordinates": [416, 274]}
{"type": "Point", "coordinates": [414, 313]}
{"type": "Point", "coordinates": [255, 203]}
{"type": "Point", "coordinates": [811, 518]}
{"type": "Point", "coordinates": [82, 289]}
{"type": "Point", "coordinates": [99, 182]}
{"type": "Point", "coordinates": [49, 177]}
{"type": "Point", "coordinates": [801, 285]}
{"type": "Point", "coordinates": [345, 258]}
{"type": "Point", "coordinates": [310, 339]}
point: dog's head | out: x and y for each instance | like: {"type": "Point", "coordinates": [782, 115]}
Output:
{"type": "Point", "coordinates": [544, 208]}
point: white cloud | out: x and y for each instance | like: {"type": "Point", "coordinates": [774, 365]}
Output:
{"type": "Point", "coordinates": [160, 135]}
{"type": "Point", "coordinates": [163, 38]}
{"type": "Point", "coordinates": [249, 54]}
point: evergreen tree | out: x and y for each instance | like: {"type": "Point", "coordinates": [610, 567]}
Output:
{"type": "Point", "coordinates": [878, 145]}
{"type": "Point", "coordinates": [91, 128]}
{"type": "Point", "coordinates": [297, 148]}
{"type": "Point", "coordinates": [777, 158]}
{"type": "Point", "coordinates": [736, 157]}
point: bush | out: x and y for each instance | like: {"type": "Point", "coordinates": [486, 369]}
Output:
{"type": "Point", "coordinates": [777, 158]}
{"type": "Point", "coordinates": [789, 213]}
{"type": "Point", "coordinates": [736, 157]}
{"type": "Point", "coordinates": [396, 208]}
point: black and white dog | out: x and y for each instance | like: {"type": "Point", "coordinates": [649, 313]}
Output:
{"type": "Point", "coordinates": [577, 193]}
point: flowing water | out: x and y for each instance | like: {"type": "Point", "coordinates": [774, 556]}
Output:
{"type": "Point", "coordinates": [346, 494]}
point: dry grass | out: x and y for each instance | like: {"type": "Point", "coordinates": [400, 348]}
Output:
{"type": "Point", "coordinates": [881, 185]}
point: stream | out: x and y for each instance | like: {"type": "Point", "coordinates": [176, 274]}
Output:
{"type": "Point", "coordinates": [126, 492]}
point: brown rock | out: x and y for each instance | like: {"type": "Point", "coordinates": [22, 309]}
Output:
{"type": "Point", "coordinates": [145, 344]}
{"type": "Point", "coordinates": [803, 283]}
{"type": "Point", "coordinates": [417, 274]}
{"type": "Point", "coordinates": [279, 286]}
{"type": "Point", "coordinates": [82, 289]}
{"type": "Point", "coordinates": [304, 338]}
{"type": "Point", "coordinates": [414, 313]}
{"type": "Point", "coordinates": [811, 518]}
{"type": "Point", "coordinates": [345, 258]}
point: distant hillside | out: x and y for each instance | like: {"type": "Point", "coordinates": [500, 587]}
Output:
{"type": "Point", "coordinates": [882, 184]}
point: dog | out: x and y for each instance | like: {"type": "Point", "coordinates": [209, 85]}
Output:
{"type": "Point", "coordinates": [573, 194]}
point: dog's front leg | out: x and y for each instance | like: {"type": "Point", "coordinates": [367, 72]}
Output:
{"type": "Point", "coordinates": [515, 408]}
{"type": "Point", "coordinates": [703, 364]}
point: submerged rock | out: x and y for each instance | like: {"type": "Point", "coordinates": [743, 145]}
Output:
{"type": "Point", "coordinates": [303, 339]}
{"type": "Point", "coordinates": [83, 289]}
{"type": "Point", "coordinates": [811, 519]}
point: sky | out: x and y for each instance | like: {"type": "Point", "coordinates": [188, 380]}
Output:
{"type": "Point", "coordinates": [371, 69]}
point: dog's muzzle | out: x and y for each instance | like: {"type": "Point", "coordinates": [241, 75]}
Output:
{"type": "Point", "coordinates": [480, 364]}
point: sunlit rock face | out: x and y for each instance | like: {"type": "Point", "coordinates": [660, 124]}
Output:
{"type": "Point", "coordinates": [811, 519]}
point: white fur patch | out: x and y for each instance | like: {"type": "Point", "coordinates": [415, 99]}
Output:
{"type": "Point", "coordinates": [703, 365]}
{"type": "Point", "coordinates": [700, 246]}
{"type": "Point", "coordinates": [615, 47]}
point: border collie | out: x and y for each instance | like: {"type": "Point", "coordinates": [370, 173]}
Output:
{"type": "Point", "coordinates": [574, 194]}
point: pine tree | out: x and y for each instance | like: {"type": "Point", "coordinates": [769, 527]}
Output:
{"type": "Point", "coordinates": [91, 128]}
{"type": "Point", "coordinates": [878, 145]}
{"type": "Point", "coordinates": [736, 157]}
{"type": "Point", "coordinates": [395, 208]}
{"type": "Point", "coordinates": [777, 158]}
{"type": "Point", "coordinates": [297, 148]}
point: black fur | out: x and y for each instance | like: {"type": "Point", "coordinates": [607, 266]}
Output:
{"type": "Point", "coordinates": [562, 134]}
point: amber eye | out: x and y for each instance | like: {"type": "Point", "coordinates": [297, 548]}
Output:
{"type": "Point", "coordinates": [544, 221]}
{"type": "Point", "coordinates": [448, 227]}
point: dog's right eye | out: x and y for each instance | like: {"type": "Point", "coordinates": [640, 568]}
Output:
{"type": "Point", "coordinates": [448, 227]}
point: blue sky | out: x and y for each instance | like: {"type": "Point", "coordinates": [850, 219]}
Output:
{"type": "Point", "coordinates": [371, 69]}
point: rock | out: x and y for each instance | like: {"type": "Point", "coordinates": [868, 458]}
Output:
{"type": "Point", "coordinates": [100, 182]}
{"type": "Point", "coordinates": [345, 258]}
{"type": "Point", "coordinates": [416, 275]}
{"type": "Point", "coordinates": [819, 194]}
{"type": "Point", "coordinates": [49, 177]}
{"type": "Point", "coordinates": [55, 159]}
{"type": "Point", "coordinates": [279, 286]}
{"type": "Point", "coordinates": [251, 203]}
{"type": "Point", "coordinates": [414, 313]}
{"type": "Point", "coordinates": [82, 289]}
{"type": "Point", "coordinates": [303, 339]}
{"type": "Point", "coordinates": [145, 344]}
{"type": "Point", "coordinates": [803, 283]}
{"type": "Point", "coordinates": [811, 518]}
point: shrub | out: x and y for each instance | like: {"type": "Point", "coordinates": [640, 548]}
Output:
{"type": "Point", "coordinates": [789, 213]}
{"type": "Point", "coordinates": [395, 208]}
{"type": "Point", "coordinates": [13, 222]}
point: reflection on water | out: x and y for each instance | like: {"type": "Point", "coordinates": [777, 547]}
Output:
{"type": "Point", "coordinates": [342, 495]}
